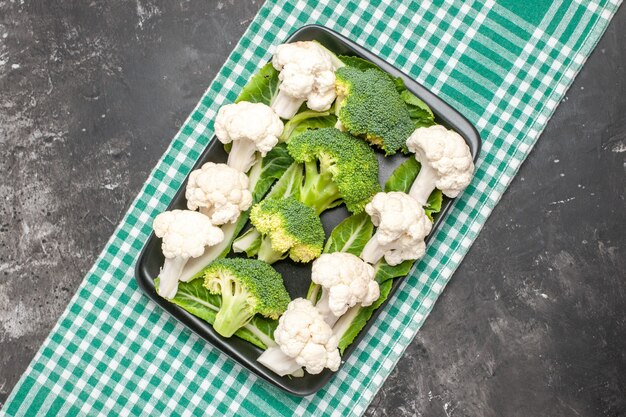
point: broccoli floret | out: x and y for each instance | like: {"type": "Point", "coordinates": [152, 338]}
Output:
{"type": "Point", "coordinates": [369, 106]}
{"type": "Point", "coordinates": [337, 168]}
{"type": "Point", "coordinates": [247, 287]}
{"type": "Point", "coordinates": [282, 227]}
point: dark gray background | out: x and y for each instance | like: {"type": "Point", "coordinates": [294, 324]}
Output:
{"type": "Point", "coordinates": [534, 321]}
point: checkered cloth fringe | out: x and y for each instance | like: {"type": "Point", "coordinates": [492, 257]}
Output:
{"type": "Point", "coordinates": [505, 65]}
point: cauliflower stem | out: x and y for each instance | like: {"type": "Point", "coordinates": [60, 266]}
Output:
{"type": "Point", "coordinates": [172, 269]}
{"type": "Point", "coordinates": [285, 105]}
{"type": "Point", "coordinates": [242, 155]}
{"type": "Point", "coordinates": [374, 251]}
{"type": "Point", "coordinates": [195, 266]}
{"type": "Point", "coordinates": [276, 361]}
{"type": "Point", "coordinates": [424, 184]}
{"type": "Point", "coordinates": [323, 307]}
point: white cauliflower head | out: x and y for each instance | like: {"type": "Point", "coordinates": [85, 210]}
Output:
{"type": "Point", "coordinates": [307, 73]}
{"type": "Point", "coordinates": [346, 281]}
{"type": "Point", "coordinates": [402, 226]}
{"type": "Point", "coordinates": [446, 162]}
{"type": "Point", "coordinates": [251, 127]}
{"type": "Point", "coordinates": [302, 334]}
{"type": "Point", "coordinates": [219, 191]}
{"type": "Point", "coordinates": [185, 234]}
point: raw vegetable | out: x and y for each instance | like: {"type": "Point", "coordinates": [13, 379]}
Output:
{"type": "Point", "coordinates": [251, 127]}
{"type": "Point", "coordinates": [337, 168]}
{"type": "Point", "coordinates": [185, 234]}
{"type": "Point", "coordinates": [281, 228]}
{"type": "Point", "coordinates": [446, 162]}
{"type": "Point", "coordinates": [369, 106]}
{"type": "Point", "coordinates": [402, 179]}
{"type": "Point", "coordinates": [306, 74]}
{"type": "Point", "coordinates": [268, 170]}
{"type": "Point", "coordinates": [345, 281]}
{"type": "Point", "coordinates": [360, 63]}
{"type": "Point", "coordinates": [246, 287]}
{"type": "Point", "coordinates": [305, 120]}
{"type": "Point", "coordinates": [263, 174]}
{"type": "Point", "coordinates": [219, 191]}
{"type": "Point", "coordinates": [419, 112]}
{"type": "Point", "coordinates": [196, 299]}
{"type": "Point", "coordinates": [304, 340]}
{"type": "Point", "coordinates": [352, 234]}
{"type": "Point", "coordinates": [310, 167]}
{"type": "Point", "coordinates": [401, 225]}
{"type": "Point", "coordinates": [354, 319]}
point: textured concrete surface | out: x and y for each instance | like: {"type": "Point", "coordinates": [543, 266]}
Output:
{"type": "Point", "coordinates": [534, 321]}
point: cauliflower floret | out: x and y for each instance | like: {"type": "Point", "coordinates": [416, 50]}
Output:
{"type": "Point", "coordinates": [346, 281]}
{"type": "Point", "coordinates": [185, 235]}
{"type": "Point", "coordinates": [304, 340]}
{"type": "Point", "coordinates": [446, 162]}
{"type": "Point", "coordinates": [402, 226]}
{"type": "Point", "coordinates": [307, 73]}
{"type": "Point", "coordinates": [251, 127]}
{"type": "Point", "coordinates": [219, 191]}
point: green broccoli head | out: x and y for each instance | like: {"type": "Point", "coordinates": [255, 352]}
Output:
{"type": "Point", "coordinates": [337, 168]}
{"type": "Point", "coordinates": [369, 106]}
{"type": "Point", "coordinates": [288, 227]}
{"type": "Point", "coordinates": [247, 287]}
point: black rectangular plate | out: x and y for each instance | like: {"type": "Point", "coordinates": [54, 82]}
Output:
{"type": "Point", "coordinates": [296, 276]}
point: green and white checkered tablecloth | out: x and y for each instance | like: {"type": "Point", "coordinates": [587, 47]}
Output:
{"type": "Point", "coordinates": [505, 65]}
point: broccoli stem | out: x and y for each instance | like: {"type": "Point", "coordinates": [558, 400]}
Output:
{"type": "Point", "coordinates": [249, 242]}
{"type": "Point", "coordinates": [235, 312]}
{"type": "Point", "coordinates": [267, 253]}
{"type": "Point", "coordinates": [319, 191]}
{"type": "Point", "coordinates": [275, 360]}
{"type": "Point", "coordinates": [292, 124]}
{"type": "Point", "coordinates": [285, 105]}
{"type": "Point", "coordinates": [338, 106]}
{"type": "Point", "coordinates": [253, 243]}
{"type": "Point", "coordinates": [424, 184]}
{"type": "Point", "coordinates": [168, 278]}
{"type": "Point", "coordinates": [373, 251]}
{"type": "Point", "coordinates": [242, 155]}
{"type": "Point", "coordinates": [265, 340]}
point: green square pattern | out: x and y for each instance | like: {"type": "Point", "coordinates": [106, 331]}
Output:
{"type": "Point", "coordinates": [505, 65]}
